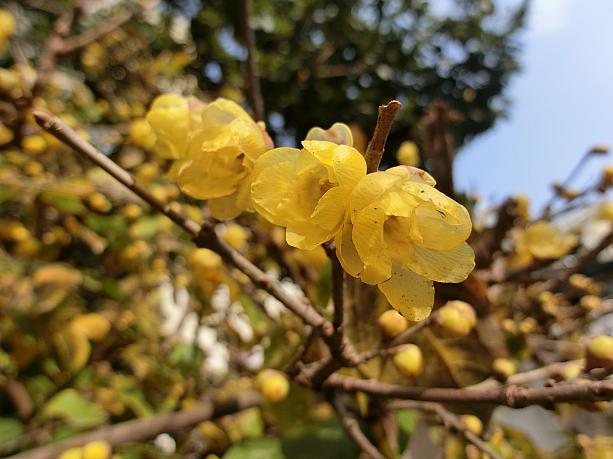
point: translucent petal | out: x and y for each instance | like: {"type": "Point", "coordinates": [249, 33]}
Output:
{"type": "Point", "coordinates": [330, 209]}
{"type": "Point", "coordinates": [224, 208]}
{"type": "Point", "coordinates": [274, 176]}
{"type": "Point", "coordinates": [338, 133]}
{"type": "Point", "coordinates": [368, 233]}
{"type": "Point", "coordinates": [440, 265]}
{"type": "Point", "coordinates": [410, 294]}
{"type": "Point", "coordinates": [370, 188]}
{"type": "Point", "coordinates": [307, 237]}
{"type": "Point", "coordinates": [346, 252]}
{"type": "Point", "coordinates": [195, 180]}
{"type": "Point", "coordinates": [349, 166]}
{"type": "Point", "coordinates": [436, 229]}
{"type": "Point", "coordinates": [378, 272]}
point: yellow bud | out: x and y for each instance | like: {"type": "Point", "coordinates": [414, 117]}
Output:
{"type": "Point", "coordinates": [132, 211]}
{"type": "Point", "coordinates": [97, 450]}
{"type": "Point", "coordinates": [409, 361]}
{"type": "Point", "coordinates": [8, 24]}
{"type": "Point", "coordinates": [600, 149]}
{"type": "Point", "coordinates": [392, 323]}
{"type": "Point", "coordinates": [99, 202]}
{"type": "Point", "coordinates": [235, 235]}
{"type": "Point", "coordinates": [72, 453]}
{"type": "Point", "coordinates": [504, 368]}
{"type": "Point", "coordinates": [590, 302]}
{"type": "Point", "coordinates": [141, 133]}
{"type": "Point", "coordinates": [273, 385]}
{"type": "Point", "coordinates": [599, 353]}
{"type": "Point", "coordinates": [11, 230]}
{"type": "Point", "coordinates": [34, 144]}
{"type": "Point", "coordinates": [6, 135]}
{"type": "Point", "coordinates": [528, 325]}
{"type": "Point", "coordinates": [408, 154]}
{"type": "Point", "coordinates": [605, 211]}
{"type": "Point", "coordinates": [456, 318]}
{"type": "Point", "coordinates": [571, 371]}
{"type": "Point", "coordinates": [472, 423]}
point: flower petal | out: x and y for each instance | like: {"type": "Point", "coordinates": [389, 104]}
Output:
{"type": "Point", "coordinates": [441, 265]}
{"type": "Point", "coordinates": [346, 252]}
{"type": "Point", "coordinates": [409, 294]}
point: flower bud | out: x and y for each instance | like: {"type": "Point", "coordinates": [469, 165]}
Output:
{"type": "Point", "coordinates": [408, 154]}
{"type": "Point", "coordinates": [273, 385]}
{"type": "Point", "coordinates": [392, 323]}
{"type": "Point", "coordinates": [599, 353]}
{"type": "Point", "coordinates": [456, 318]}
{"type": "Point", "coordinates": [97, 450]}
{"type": "Point", "coordinates": [409, 361]}
{"type": "Point", "coordinates": [590, 302]}
{"type": "Point", "coordinates": [503, 368]}
{"type": "Point", "coordinates": [472, 423]}
{"type": "Point", "coordinates": [72, 453]}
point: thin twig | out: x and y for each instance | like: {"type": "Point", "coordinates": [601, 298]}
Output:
{"type": "Point", "coordinates": [204, 236]}
{"type": "Point", "coordinates": [143, 429]}
{"type": "Point", "coordinates": [448, 419]}
{"type": "Point", "coordinates": [73, 44]}
{"type": "Point", "coordinates": [512, 396]}
{"type": "Point", "coordinates": [254, 90]}
{"type": "Point", "coordinates": [353, 429]}
{"type": "Point", "coordinates": [376, 146]}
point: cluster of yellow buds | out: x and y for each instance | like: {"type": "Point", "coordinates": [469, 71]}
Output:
{"type": "Point", "coordinates": [392, 229]}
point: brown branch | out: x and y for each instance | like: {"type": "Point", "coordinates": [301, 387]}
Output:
{"type": "Point", "coordinates": [204, 236]}
{"type": "Point", "coordinates": [376, 146]}
{"type": "Point", "coordinates": [20, 398]}
{"type": "Point", "coordinates": [78, 42]}
{"type": "Point", "coordinates": [254, 91]}
{"type": "Point", "coordinates": [143, 429]}
{"type": "Point", "coordinates": [353, 429]}
{"type": "Point", "coordinates": [512, 396]}
{"type": "Point", "coordinates": [449, 419]}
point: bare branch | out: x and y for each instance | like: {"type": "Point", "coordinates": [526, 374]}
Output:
{"type": "Point", "coordinates": [512, 396]}
{"type": "Point", "coordinates": [376, 146]}
{"type": "Point", "coordinates": [143, 429]}
{"type": "Point", "coordinates": [204, 236]}
{"type": "Point", "coordinates": [254, 91]}
{"type": "Point", "coordinates": [353, 429]}
{"type": "Point", "coordinates": [448, 419]}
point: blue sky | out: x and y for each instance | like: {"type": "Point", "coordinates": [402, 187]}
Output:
{"type": "Point", "coordinates": [562, 105]}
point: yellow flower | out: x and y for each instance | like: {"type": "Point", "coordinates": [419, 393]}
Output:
{"type": "Point", "coordinates": [141, 133]}
{"type": "Point", "coordinates": [408, 154]}
{"type": "Point", "coordinates": [219, 159]}
{"type": "Point", "coordinates": [541, 240]}
{"type": "Point", "coordinates": [605, 211]}
{"type": "Point", "coordinates": [401, 235]}
{"type": "Point", "coordinates": [172, 120]}
{"type": "Point", "coordinates": [307, 191]}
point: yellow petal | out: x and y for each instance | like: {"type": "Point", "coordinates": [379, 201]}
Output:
{"type": "Point", "coordinates": [274, 176]}
{"type": "Point", "coordinates": [307, 237]}
{"type": "Point", "coordinates": [200, 182]}
{"type": "Point", "coordinates": [338, 133]}
{"type": "Point", "coordinates": [434, 228]}
{"type": "Point", "coordinates": [349, 166]}
{"type": "Point", "coordinates": [441, 265]}
{"type": "Point", "coordinates": [378, 272]}
{"type": "Point", "coordinates": [224, 208]}
{"type": "Point", "coordinates": [410, 294]}
{"type": "Point", "coordinates": [346, 252]}
{"type": "Point", "coordinates": [330, 209]}
{"type": "Point", "coordinates": [370, 188]}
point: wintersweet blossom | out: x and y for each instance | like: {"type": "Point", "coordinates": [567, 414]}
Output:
{"type": "Point", "coordinates": [401, 234]}
{"type": "Point", "coordinates": [540, 240]}
{"type": "Point", "coordinates": [214, 147]}
{"type": "Point", "coordinates": [307, 190]}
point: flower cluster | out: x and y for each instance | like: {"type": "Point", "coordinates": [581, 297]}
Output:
{"type": "Point", "coordinates": [392, 229]}
{"type": "Point", "coordinates": [214, 148]}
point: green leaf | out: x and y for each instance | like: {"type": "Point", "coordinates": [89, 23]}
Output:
{"type": "Point", "coordinates": [10, 430]}
{"type": "Point", "coordinates": [261, 448]}
{"type": "Point", "coordinates": [70, 406]}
